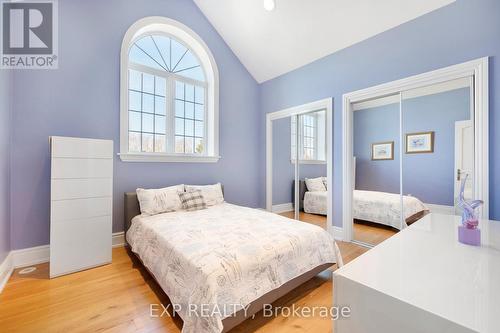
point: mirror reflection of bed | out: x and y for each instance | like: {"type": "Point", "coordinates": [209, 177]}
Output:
{"type": "Point", "coordinates": [312, 204]}
{"type": "Point", "coordinates": [310, 146]}
{"type": "Point", "coordinates": [411, 151]}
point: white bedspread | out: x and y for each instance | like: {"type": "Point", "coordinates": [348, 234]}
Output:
{"type": "Point", "coordinates": [225, 257]}
{"type": "Point", "coordinates": [316, 202]}
{"type": "Point", "coordinates": [383, 207]}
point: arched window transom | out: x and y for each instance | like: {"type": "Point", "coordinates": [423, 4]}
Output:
{"type": "Point", "coordinates": [169, 100]}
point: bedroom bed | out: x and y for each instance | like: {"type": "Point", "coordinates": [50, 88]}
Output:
{"type": "Point", "coordinates": [228, 260]}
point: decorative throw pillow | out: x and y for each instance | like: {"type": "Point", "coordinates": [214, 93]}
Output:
{"type": "Point", "coordinates": [315, 184]}
{"type": "Point", "coordinates": [193, 200]}
{"type": "Point", "coordinates": [325, 182]}
{"type": "Point", "coordinates": [157, 201]}
{"type": "Point", "coordinates": [212, 193]}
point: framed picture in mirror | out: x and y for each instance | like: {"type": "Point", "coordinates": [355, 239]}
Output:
{"type": "Point", "coordinates": [383, 151]}
{"type": "Point", "coordinates": [417, 143]}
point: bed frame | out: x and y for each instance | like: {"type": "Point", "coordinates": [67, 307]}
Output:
{"type": "Point", "coordinates": [132, 209]}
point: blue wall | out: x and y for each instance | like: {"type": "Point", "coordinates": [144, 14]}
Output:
{"type": "Point", "coordinates": [456, 33]}
{"type": "Point", "coordinates": [81, 99]}
{"type": "Point", "coordinates": [283, 169]}
{"type": "Point", "coordinates": [429, 177]}
{"type": "Point", "coordinates": [5, 149]}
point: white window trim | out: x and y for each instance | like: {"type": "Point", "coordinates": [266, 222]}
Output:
{"type": "Point", "coordinates": [163, 25]}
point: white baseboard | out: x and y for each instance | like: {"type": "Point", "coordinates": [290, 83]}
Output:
{"type": "Point", "coordinates": [282, 208]}
{"type": "Point", "coordinates": [338, 233]}
{"type": "Point", "coordinates": [38, 255]}
{"type": "Point", "coordinates": [30, 256]}
{"type": "Point", "coordinates": [441, 209]}
{"type": "Point", "coordinates": [6, 269]}
{"type": "Point", "coordinates": [118, 239]}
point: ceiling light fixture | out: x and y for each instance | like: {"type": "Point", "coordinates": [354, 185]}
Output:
{"type": "Point", "coordinates": [269, 5]}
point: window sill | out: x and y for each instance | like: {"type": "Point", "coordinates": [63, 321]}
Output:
{"type": "Point", "coordinates": [309, 162]}
{"type": "Point", "coordinates": [145, 157]}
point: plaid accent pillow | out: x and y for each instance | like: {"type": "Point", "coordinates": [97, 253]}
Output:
{"type": "Point", "coordinates": [193, 200]}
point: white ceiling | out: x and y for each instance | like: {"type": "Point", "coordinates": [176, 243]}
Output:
{"type": "Point", "coordinates": [298, 32]}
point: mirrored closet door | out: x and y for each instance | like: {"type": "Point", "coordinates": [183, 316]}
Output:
{"type": "Point", "coordinates": [438, 155]}
{"type": "Point", "coordinates": [376, 200]}
{"type": "Point", "coordinates": [299, 167]}
{"type": "Point", "coordinates": [413, 153]}
{"type": "Point", "coordinates": [312, 171]}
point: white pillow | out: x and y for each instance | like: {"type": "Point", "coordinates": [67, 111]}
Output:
{"type": "Point", "coordinates": [315, 184]}
{"type": "Point", "coordinates": [325, 182]}
{"type": "Point", "coordinates": [212, 193]}
{"type": "Point", "coordinates": [162, 200]}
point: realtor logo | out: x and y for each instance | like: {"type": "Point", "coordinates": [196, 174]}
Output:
{"type": "Point", "coordinates": [29, 34]}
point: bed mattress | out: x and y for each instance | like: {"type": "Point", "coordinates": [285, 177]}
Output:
{"type": "Point", "coordinates": [218, 260]}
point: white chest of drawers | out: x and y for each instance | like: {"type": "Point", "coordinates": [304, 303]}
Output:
{"type": "Point", "coordinates": [81, 204]}
{"type": "Point", "coordinates": [423, 280]}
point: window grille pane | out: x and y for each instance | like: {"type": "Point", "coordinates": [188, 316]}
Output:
{"type": "Point", "coordinates": [179, 90]}
{"type": "Point", "coordinates": [187, 61]}
{"type": "Point", "coordinates": [147, 142]}
{"type": "Point", "coordinates": [189, 127]}
{"type": "Point", "coordinates": [163, 44]}
{"type": "Point", "coordinates": [160, 86]}
{"type": "Point", "coordinates": [199, 112]}
{"type": "Point", "coordinates": [134, 142]}
{"type": "Point", "coordinates": [160, 144]}
{"type": "Point", "coordinates": [189, 145]}
{"type": "Point", "coordinates": [179, 109]}
{"type": "Point", "coordinates": [134, 121]}
{"type": "Point", "coordinates": [134, 80]}
{"type": "Point", "coordinates": [199, 95]}
{"type": "Point", "coordinates": [189, 110]}
{"type": "Point", "coordinates": [134, 101]}
{"type": "Point", "coordinates": [179, 144]}
{"type": "Point", "coordinates": [178, 50]}
{"type": "Point", "coordinates": [136, 55]}
{"type": "Point", "coordinates": [147, 123]}
{"type": "Point", "coordinates": [147, 45]}
{"type": "Point", "coordinates": [189, 93]}
{"type": "Point", "coordinates": [198, 129]}
{"type": "Point", "coordinates": [160, 106]}
{"type": "Point", "coordinates": [160, 124]}
{"type": "Point", "coordinates": [148, 103]}
{"type": "Point", "coordinates": [148, 83]}
{"type": "Point", "coordinates": [179, 126]}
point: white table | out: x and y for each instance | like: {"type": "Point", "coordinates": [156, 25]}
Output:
{"type": "Point", "coordinates": [423, 280]}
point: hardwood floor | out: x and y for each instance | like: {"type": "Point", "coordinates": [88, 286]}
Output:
{"type": "Point", "coordinates": [372, 233]}
{"type": "Point", "coordinates": [366, 232]}
{"type": "Point", "coordinates": [117, 298]}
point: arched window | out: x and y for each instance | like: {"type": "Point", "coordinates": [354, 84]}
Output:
{"type": "Point", "coordinates": [169, 94]}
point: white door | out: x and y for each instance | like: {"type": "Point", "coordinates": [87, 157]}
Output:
{"type": "Point", "coordinates": [464, 157]}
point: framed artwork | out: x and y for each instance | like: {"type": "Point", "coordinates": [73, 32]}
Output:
{"type": "Point", "coordinates": [417, 143]}
{"type": "Point", "coordinates": [383, 151]}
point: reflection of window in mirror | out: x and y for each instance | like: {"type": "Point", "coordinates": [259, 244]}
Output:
{"type": "Point", "coordinates": [312, 137]}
